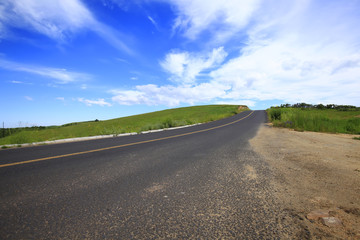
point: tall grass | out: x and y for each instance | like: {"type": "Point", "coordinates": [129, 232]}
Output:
{"type": "Point", "coordinates": [329, 120]}
{"type": "Point", "coordinates": [138, 123]}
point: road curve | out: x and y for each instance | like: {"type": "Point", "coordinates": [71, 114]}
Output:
{"type": "Point", "coordinates": [198, 182]}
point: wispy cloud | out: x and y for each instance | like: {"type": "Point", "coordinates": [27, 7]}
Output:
{"type": "Point", "coordinates": [112, 36]}
{"type": "Point", "coordinates": [17, 82]}
{"type": "Point", "coordinates": [62, 99]}
{"type": "Point", "coordinates": [221, 18]}
{"type": "Point", "coordinates": [184, 67]}
{"type": "Point", "coordinates": [153, 22]}
{"type": "Point", "coordinates": [122, 60]}
{"type": "Point", "coordinates": [57, 19]}
{"type": "Point", "coordinates": [100, 102]}
{"type": "Point", "coordinates": [28, 98]}
{"type": "Point", "coordinates": [60, 75]}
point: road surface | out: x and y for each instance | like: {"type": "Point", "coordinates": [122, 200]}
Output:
{"type": "Point", "coordinates": [198, 182]}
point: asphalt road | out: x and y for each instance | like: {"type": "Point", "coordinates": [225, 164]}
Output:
{"type": "Point", "coordinates": [198, 182]}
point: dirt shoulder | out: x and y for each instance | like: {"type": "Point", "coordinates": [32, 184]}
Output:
{"type": "Point", "coordinates": [317, 180]}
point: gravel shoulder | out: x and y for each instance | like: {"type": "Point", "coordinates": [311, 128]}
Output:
{"type": "Point", "coordinates": [314, 172]}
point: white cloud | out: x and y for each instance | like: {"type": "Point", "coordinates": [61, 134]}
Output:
{"type": "Point", "coordinates": [57, 19]}
{"type": "Point", "coordinates": [185, 67]}
{"type": "Point", "coordinates": [101, 102]}
{"type": "Point", "coordinates": [221, 18]}
{"type": "Point", "coordinates": [210, 92]}
{"type": "Point", "coordinates": [307, 55]}
{"type": "Point", "coordinates": [169, 95]}
{"type": "Point", "coordinates": [28, 98]}
{"type": "Point", "coordinates": [128, 97]}
{"type": "Point", "coordinates": [303, 51]}
{"type": "Point", "coordinates": [285, 70]}
{"type": "Point", "coordinates": [61, 76]}
{"type": "Point", "coordinates": [62, 99]}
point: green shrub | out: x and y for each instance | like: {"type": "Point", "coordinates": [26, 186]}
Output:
{"type": "Point", "coordinates": [168, 123]}
{"type": "Point", "coordinates": [275, 114]}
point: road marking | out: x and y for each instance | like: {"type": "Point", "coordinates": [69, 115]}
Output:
{"type": "Point", "coordinates": [120, 146]}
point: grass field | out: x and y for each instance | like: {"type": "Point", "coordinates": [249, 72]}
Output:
{"type": "Point", "coordinates": [137, 123]}
{"type": "Point", "coordinates": [317, 120]}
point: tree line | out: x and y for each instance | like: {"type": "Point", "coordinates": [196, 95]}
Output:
{"type": "Point", "coordinates": [318, 106]}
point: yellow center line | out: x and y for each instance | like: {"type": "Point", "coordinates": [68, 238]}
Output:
{"type": "Point", "coordinates": [120, 146]}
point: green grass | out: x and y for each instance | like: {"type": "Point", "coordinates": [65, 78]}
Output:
{"type": "Point", "coordinates": [137, 123]}
{"type": "Point", "coordinates": [327, 120]}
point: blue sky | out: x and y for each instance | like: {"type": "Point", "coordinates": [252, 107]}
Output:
{"type": "Point", "coordinates": [75, 60]}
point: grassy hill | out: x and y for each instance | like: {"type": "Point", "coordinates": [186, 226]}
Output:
{"type": "Point", "coordinates": [137, 123]}
{"type": "Point", "coordinates": [333, 120]}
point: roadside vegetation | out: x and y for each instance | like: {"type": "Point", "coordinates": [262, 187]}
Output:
{"type": "Point", "coordinates": [318, 118]}
{"type": "Point", "coordinates": [137, 123]}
